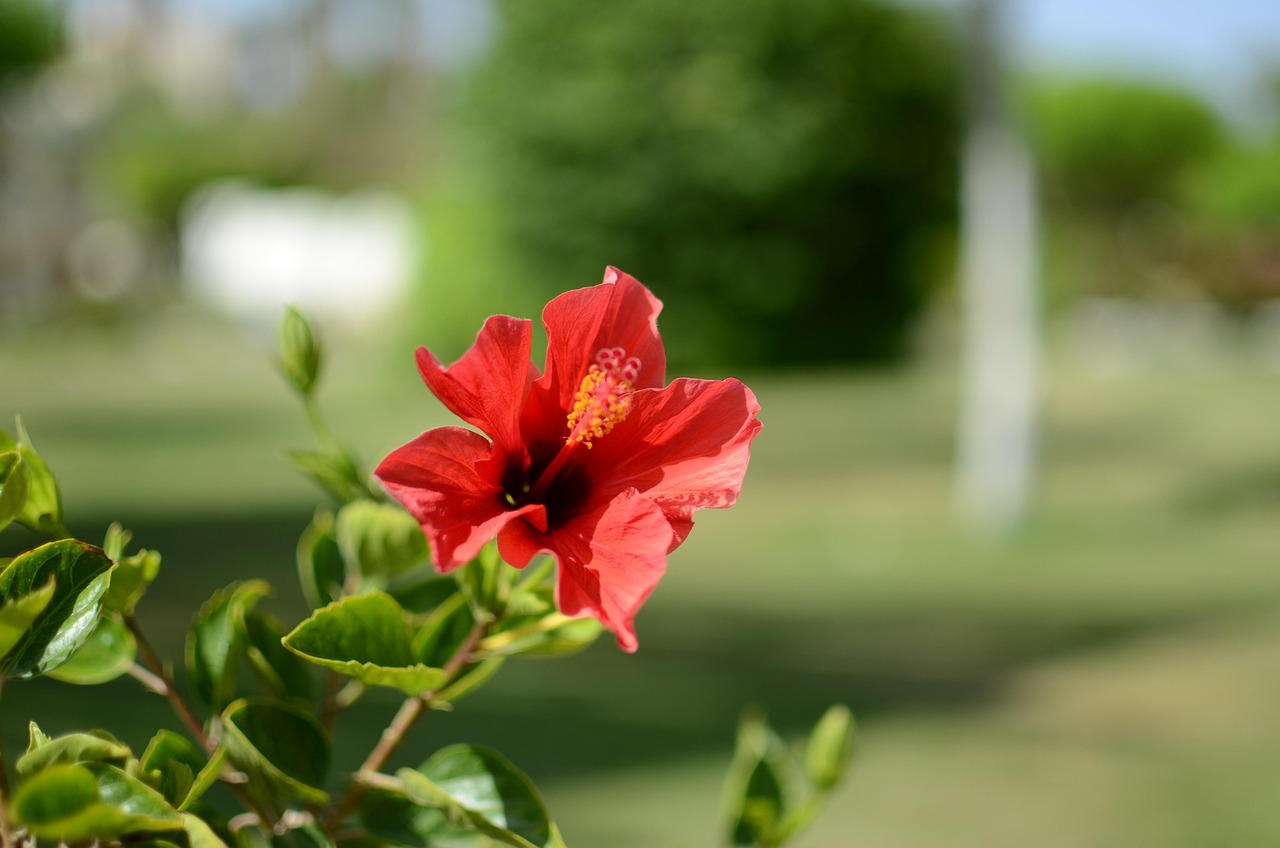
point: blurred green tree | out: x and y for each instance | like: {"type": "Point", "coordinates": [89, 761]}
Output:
{"type": "Point", "coordinates": [1108, 145]}
{"type": "Point", "coordinates": [30, 37]}
{"type": "Point", "coordinates": [779, 173]}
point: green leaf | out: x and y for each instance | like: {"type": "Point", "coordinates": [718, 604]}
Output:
{"type": "Point", "coordinates": [442, 633]}
{"type": "Point", "coordinates": [216, 641]}
{"type": "Point", "coordinates": [321, 571]}
{"type": "Point", "coordinates": [107, 654]}
{"type": "Point", "coordinates": [129, 583]}
{"type": "Point", "coordinates": [391, 817]}
{"type": "Point", "coordinates": [480, 790]}
{"type": "Point", "coordinates": [469, 680]}
{"type": "Point", "coordinates": [755, 802]}
{"type": "Point", "coordinates": [830, 747]}
{"type": "Point", "coordinates": [14, 483]}
{"type": "Point", "coordinates": [42, 510]}
{"type": "Point", "coordinates": [170, 764]}
{"type": "Point", "coordinates": [548, 635]}
{"type": "Point", "coordinates": [98, 746]}
{"type": "Point", "coordinates": [367, 637]}
{"type": "Point", "coordinates": [95, 801]}
{"type": "Point", "coordinates": [379, 540]}
{"type": "Point", "coordinates": [117, 538]}
{"type": "Point", "coordinates": [281, 748]}
{"type": "Point", "coordinates": [199, 834]}
{"type": "Point", "coordinates": [280, 671]}
{"type": "Point", "coordinates": [480, 582]}
{"type": "Point", "coordinates": [299, 351]}
{"type": "Point", "coordinates": [36, 737]}
{"type": "Point", "coordinates": [80, 573]}
{"type": "Point", "coordinates": [205, 778]}
{"type": "Point", "coordinates": [333, 469]}
{"type": "Point", "coordinates": [18, 614]}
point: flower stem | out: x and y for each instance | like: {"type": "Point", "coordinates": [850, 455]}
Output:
{"type": "Point", "coordinates": [162, 684]}
{"type": "Point", "coordinates": [410, 711]}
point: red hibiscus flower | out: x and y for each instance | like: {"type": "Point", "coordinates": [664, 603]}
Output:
{"type": "Point", "coordinates": [593, 461]}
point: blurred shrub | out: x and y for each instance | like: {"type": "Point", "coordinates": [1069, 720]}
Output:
{"type": "Point", "coordinates": [30, 36]}
{"type": "Point", "coordinates": [1106, 145]}
{"type": "Point", "coordinates": [777, 172]}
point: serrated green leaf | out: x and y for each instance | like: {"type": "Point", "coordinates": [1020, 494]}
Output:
{"type": "Point", "coordinates": [80, 574]}
{"type": "Point", "coordinates": [480, 790]}
{"type": "Point", "coordinates": [282, 748]}
{"type": "Point", "coordinates": [367, 637]}
{"type": "Point", "coordinates": [216, 641]}
{"type": "Point", "coordinates": [82, 802]}
{"type": "Point", "coordinates": [107, 653]}
{"type": "Point", "coordinates": [99, 746]}
{"type": "Point", "coordinates": [280, 671]}
{"type": "Point", "coordinates": [299, 351]}
{"type": "Point", "coordinates": [14, 483]}
{"type": "Point", "coordinates": [830, 747]}
{"type": "Point", "coordinates": [321, 571]}
{"type": "Point", "coordinates": [379, 540]}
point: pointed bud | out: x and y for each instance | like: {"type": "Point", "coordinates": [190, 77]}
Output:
{"type": "Point", "coordinates": [299, 351]}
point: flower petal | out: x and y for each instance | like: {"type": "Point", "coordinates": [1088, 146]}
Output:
{"type": "Point", "coordinates": [486, 387]}
{"type": "Point", "coordinates": [620, 312]}
{"type": "Point", "coordinates": [447, 479]}
{"type": "Point", "coordinates": [609, 560]}
{"type": "Point", "coordinates": [684, 447]}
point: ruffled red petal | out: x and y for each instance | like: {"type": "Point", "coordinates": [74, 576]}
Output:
{"type": "Point", "coordinates": [610, 561]}
{"type": "Point", "coordinates": [445, 479]}
{"type": "Point", "coordinates": [684, 447]}
{"type": "Point", "coordinates": [486, 387]}
{"type": "Point", "coordinates": [620, 312]}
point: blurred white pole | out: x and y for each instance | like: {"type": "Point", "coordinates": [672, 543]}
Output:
{"type": "Point", "coordinates": [998, 270]}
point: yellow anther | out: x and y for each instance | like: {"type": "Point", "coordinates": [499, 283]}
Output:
{"type": "Point", "coordinates": [603, 400]}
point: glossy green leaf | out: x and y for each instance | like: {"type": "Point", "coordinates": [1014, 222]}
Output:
{"type": "Point", "coordinates": [367, 637]}
{"type": "Point", "coordinates": [130, 580]}
{"type": "Point", "coordinates": [199, 833]}
{"type": "Point", "coordinates": [94, 801]}
{"type": "Point", "coordinates": [282, 673]}
{"type": "Point", "coordinates": [299, 351]}
{"type": "Point", "coordinates": [379, 540]}
{"type": "Point", "coordinates": [332, 469]}
{"type": "Point", "coordinates": [392, 818]}
{"type": "Point", "coordinates": [17, 615]}
{"type": "Point", "coordinates": [106, 654]}
{"type": "Point", "coordinates": [321, 571]}
{"type": "Point", "coordinates": [830, 747]}
{"type": "Point", "coordinates": [480, 790]}
{"type": "Point", "coordinates": [216, 640]}
{"type": "Point", "coordinates": [98, 746]}
{"type": "Point", "coordinates": [14, 483]}
{"type": "Point", "coordinates": [170, 764]}
{"type": "Point", "coordinates": [80, 574]}
{"type": "Point", "coordinates": [281, 747]}
{"type": "Point", "coordinates": [42, 509]}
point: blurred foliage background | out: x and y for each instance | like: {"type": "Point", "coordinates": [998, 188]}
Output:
{"type": "Point", "coordinates": [784, 177]}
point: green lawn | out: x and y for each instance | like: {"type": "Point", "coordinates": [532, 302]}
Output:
{"type": "Point", "coordinates": [1106, 676]}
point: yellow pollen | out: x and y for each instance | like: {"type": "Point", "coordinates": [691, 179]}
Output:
{"type": "Point", "coordinates": [603, 399]}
